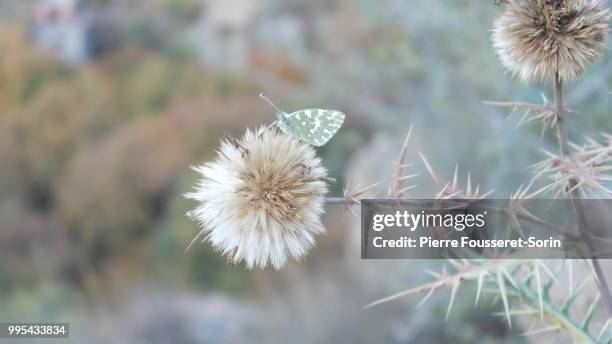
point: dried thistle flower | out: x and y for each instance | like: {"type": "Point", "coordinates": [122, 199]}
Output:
{"type": "Point", "coordinates": [261, 199]}
{"type": "Point", "coordinates": [540, 40]}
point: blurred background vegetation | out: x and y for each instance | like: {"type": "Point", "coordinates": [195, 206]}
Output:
{"type": "Point", "coordinates": [104, 105]}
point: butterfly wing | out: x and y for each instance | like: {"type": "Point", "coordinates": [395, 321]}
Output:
{"type": "Point", "coordinates": [314, 126]}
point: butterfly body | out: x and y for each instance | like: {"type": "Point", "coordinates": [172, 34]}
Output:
{"type": "Point", "coordinates": [314, 126]}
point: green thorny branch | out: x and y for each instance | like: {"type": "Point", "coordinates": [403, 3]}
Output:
{"type": "Point", "coordinates": [519, 282]}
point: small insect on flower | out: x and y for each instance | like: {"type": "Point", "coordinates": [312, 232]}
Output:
{"type": "Point", "coordinates": [541, 40]}
{"type": "Point", "coordinates": [262, 198]}
{"type": "Point", "coordinates": [313, 126]}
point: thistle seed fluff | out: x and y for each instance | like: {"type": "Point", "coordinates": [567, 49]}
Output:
{"type": "Point", "coordinates": [541, 40]}
{"type": "Point", "coordinates": [261, 200]}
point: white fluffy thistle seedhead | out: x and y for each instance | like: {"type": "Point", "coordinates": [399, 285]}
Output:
{"type": "Point", "coordinates": [540, 40]}
{"type": "Point", "coordinates": [262, 199]}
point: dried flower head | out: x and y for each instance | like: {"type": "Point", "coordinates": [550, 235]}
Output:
{"type": "Point", "coordinates": [262, 198]}
{"type": "Point", "coordinates": [540, 40]}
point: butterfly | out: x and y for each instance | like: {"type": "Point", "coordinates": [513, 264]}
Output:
{"type": "Point", "coordinates": [313, 126]}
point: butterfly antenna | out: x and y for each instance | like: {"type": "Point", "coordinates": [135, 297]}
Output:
{"type": "Point", "coordinates": [267, 100]}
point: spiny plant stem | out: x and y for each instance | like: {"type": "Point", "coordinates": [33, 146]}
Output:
{"type": "Point", "coordinates": [553, 312]}
{"type": "Point", "coordinates": [562, 136]}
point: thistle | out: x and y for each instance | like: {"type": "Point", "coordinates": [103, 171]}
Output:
{"type": "Point", "coordinates": [541, 40]}
{"type": "Point", "coordinates": [261, 199]}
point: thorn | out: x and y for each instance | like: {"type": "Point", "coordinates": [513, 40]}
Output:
{"type": "Point", "coordinates": [425, 298]}
{"type": "Point", "coordinates": [452, 298]}
{"type": "Point", "coordinates": [538, 279]}
{"type": "Point", "coordinates": [517, 312]}
{"type": "Point", "coordinates": [571, 296]}
{"type": "Point", "coordinates": [502, 289]}
{"type": "Point", "coordinates": [479, 287]}
{"type": "Point", "coordinates": [407, 189]}
{"type": "Point", "coordinates": [603, 329]}
{"type": "Point", "coordinates": [590, 312]}
{"type": "Point", "coordinates": [429, 169]}
{"type": "Point", "coordinates": [408, 176]}
{"type": "Point", "coordinates": [542, 330]}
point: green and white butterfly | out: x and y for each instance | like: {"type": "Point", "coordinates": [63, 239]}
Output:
{"type": "Point", "coordinates": [313, 126]}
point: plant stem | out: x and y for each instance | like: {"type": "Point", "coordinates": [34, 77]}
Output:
{"type": "Point", "coordinates": [580, 334]}
{"type": "Point", "coordinates": [575, 199]}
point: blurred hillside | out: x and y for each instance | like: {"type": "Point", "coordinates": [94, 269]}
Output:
{"type": "Point", "coordinates": [104, 105]}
